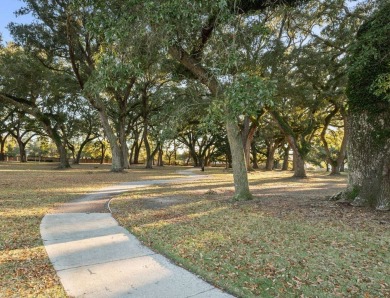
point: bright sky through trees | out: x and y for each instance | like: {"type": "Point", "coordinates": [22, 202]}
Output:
{"type": "Point", "coordinates": [7, 15]}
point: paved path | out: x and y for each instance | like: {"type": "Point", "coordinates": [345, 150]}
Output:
{"type": "Point", "coordinates": [95, 257]}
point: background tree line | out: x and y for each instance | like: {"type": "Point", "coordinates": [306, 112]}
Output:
{"type": "Point", "coordinates": [238, 81]}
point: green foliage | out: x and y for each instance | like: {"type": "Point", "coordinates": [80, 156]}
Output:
{"type": "Point", "coordinates": [369, 67]}
{"type": "Point", "coordinates": [381, 86]}
{"type": "Point", "coordinates": [246, 95]}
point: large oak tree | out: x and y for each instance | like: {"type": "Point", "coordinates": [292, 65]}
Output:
{"type": "Point", "coordinates": [369, 104]}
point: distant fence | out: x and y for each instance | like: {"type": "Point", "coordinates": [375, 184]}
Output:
{"type": "Point", "coordinates": [55, 159]}
{"type": "Point", "coordinates": [93, 160]}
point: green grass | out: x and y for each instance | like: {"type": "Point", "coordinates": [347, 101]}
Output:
{"type": "Point", "coordinates": [27, 193]}
{"type": "Point", "coordinates": [289, 242]}
{"type": "Point", "coordinates": [294, 244]}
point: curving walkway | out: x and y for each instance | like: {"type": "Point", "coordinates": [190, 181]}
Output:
{"type": "Point", "coordinates": [95, 257]}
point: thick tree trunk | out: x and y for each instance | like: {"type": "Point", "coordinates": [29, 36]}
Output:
{"type": "Point", "coordinates": [299, 166]}
{"type": "Point", "coordinates": [192, 153]}
{"type": "Point", "coordinates": [123, 145]}
{"type": "Point", "coordinates": [117, 165]}
{"type": "Point", "coordinates": [240, 175]}
{"type": "Point", "coordinates": [61, 148]}
{"type": "Point", "coordinates": [2, 147]}
{"type": "Point", "coordinates": [335, 168]}
{"type": "Point", "coordinates": [22, 150]}
{"type": "Point", "coordinates": [270, 162]}
{"type": "Point", "coordinates": [369, 161]}
{"type": "Point", "coordinates": [298, 160]}
{"type": "Point", "coordinates": [58, 141]}
{"type": "Point", "coordinates": [64, 161]}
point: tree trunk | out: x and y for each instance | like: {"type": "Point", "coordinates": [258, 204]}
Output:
{"type": "Point", "coordinates": [22, 150]}
{"type": "Point", "coordinates": [76, 160]}
{"type": "Point", "coordinates": [342, 167]}
{"type": "Point", "coordinates": [149, 154]}
{"type": "Point", "coordinates": [64, 161]}
{"type": "Point", "coordinates": [369, 160]}
{"type": "Point", "coordinates": [80, 151]}
{"type": "Point", "coordinates": [298, 162]}
{"type": "Point", "coordinates": [123, 145]}
{"type": "Point", "coordinates": [255, 164]}
{"type": "Point", "coordinates": [137, 149]}
{"type": "Point", "coordinates": [343, 150]}
{"type": "Point", "coordinates": [149, 158]}
{"type": "Point", "coordinates": [103, 152]}
{"type": "Point", "coordinates": [192, 153]}
{"type": "Point", "coordinates": [72, 150]}
{"type": "Point", "coordinates": [117, 165]}
{"type": "Point", "coordinates": [247, 135]}
{"type": "Point", "coordinates": [286, 156]}
{"type": "Point", "coordinates": [299, 166]}
{"type": "Point", "coordinates": [201, 163]}
{"type": "Point", "coordinates": [174, 151]}
{"type": "Point", "coordinates": [2, 147]}
{"type": "Point", "coordinates": [240, 175]}
{"type": "Point", "coordinates": [334, 168]}
{"type": "Point", "coordinates": [335, 163]}
{"type": "Point", "coordinates": [269, 165]}
{"type": "Point", "coordinates": [160, 162]}
{"type": "Point", "coordinates": [61, 148]}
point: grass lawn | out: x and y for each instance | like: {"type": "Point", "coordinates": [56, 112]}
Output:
{"type": "Point", "coordinates": [27, 193]}
{"type": "Point", "coordinates": [288, 242]}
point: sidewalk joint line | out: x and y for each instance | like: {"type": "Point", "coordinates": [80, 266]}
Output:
{"type": "Point", "coordinates": [107, 262]}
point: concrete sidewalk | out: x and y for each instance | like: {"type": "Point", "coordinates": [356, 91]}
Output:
{"type": "Point", "coordinates": [95, 257]}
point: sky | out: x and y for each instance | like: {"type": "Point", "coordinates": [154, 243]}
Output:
{"type": "Point", "coordinates": [7, 9]}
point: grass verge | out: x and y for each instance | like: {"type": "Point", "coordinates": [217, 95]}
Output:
{"type": "Point", "coordinates": [28, 192]}
{"type": "Point", "coordinates": [288, 242]}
